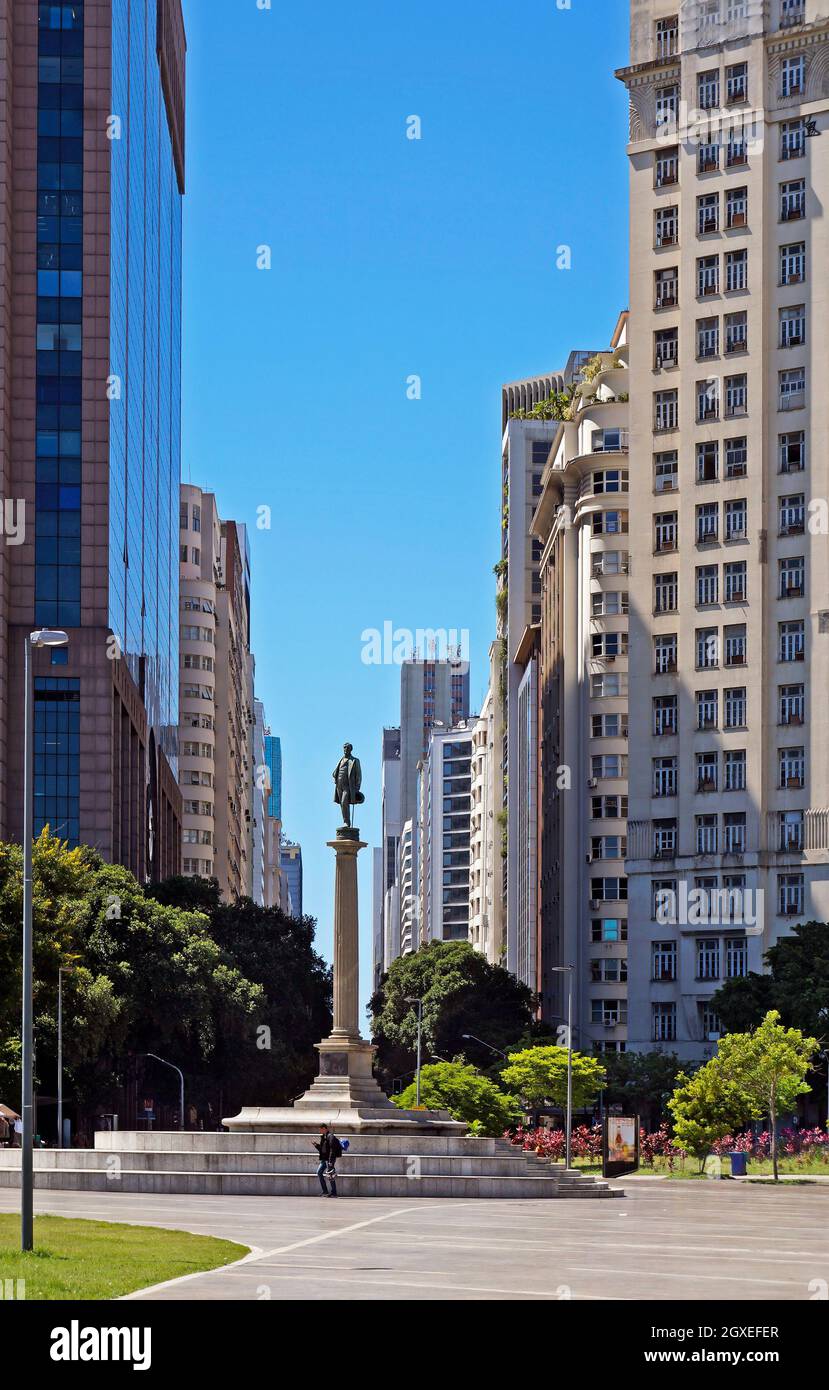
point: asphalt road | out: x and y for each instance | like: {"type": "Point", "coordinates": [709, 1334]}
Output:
{"type": "Point", "coordinates": [664, 1240]}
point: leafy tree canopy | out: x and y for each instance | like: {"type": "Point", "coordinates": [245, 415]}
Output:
{"type": "Point", "coordinates": [467, 1095]}
{"type": "Point", "coordinates": [797, 985]}
{"type": "Point", "coordinates": [540, 1073]}
{"type": "Point", "coordinates": [461, 993]}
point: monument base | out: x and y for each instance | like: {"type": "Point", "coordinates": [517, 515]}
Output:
{"type": "Point", "coordinates": [346, 1096]}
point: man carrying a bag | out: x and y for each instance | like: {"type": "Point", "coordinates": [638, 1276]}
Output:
{"type": "Point", "coordinates": [329, 1149]}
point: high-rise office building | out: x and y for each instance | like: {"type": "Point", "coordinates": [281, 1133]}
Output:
{"type": "Point", "coordinates": [434, 694]}
{"type": "Point", "coordinates": [386, 936]}
{"type": "Point", "coordinates": [728, 839]}
{"type": "Point", "coordinates": [291, 861]}
{"type": "Point", "coordinates": [273, 758]}
{"type": "Point", "coordinates": [445, 834]}
{"type": "Point", "coordinates": [216, 730]}
{"type": "Point", "coordinates": [582, 525]}
{"type": "Point", "coordinates": [259, 796]}
{"type": "Point", "coordinates": [91, 184]}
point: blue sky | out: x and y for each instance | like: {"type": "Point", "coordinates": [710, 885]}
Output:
{"type": "Point", "coordinates": [390, 257]}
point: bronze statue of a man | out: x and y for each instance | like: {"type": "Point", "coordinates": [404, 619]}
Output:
{"type": "Point", "coordinates": [348, 778]}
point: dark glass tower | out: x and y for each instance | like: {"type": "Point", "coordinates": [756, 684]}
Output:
{"type": "Point", "coordinates": [92, 173]}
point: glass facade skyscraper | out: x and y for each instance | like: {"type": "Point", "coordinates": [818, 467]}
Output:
{"type": "Point", "coordinates": [90, 405]}
{"type": "Point", "coordinates": [273, 758]}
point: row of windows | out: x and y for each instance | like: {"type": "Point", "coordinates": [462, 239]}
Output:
{"type": "Point", "coordinates": [708, 592]}
{"type": "Point", "coordinates": [707, 704]}
{"type": "Point", "coordinates": [725, 832]}
{"type": "Point", "coordinates": [716, 958]}
{"type": "Point", "coordinates": [732, 457]}
{"type": "Point", "coordinates": [791, 333]}
{"type": "Point", "coordinates": [791, 763]}
{"type": "Point", "coordinates": [724, 903]}
{"type": "Point", "coordinates": [791, 395]}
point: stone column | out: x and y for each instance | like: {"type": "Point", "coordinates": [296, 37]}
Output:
{"type": "Point", "coordinates": [346, 937]}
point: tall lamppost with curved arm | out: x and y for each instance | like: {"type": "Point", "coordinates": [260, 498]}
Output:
{"type": "Point", "coordinates": [172, 1067]}
{"type": "Point", "coordinates": [44, 637]}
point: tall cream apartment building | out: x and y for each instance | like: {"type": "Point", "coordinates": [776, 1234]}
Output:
{"type": "Point", "coordinates": [216, 697]}
{"type": "Point", "coordinates": [582, 524]}
{"type": "Point", "coordinates": [728, 835]}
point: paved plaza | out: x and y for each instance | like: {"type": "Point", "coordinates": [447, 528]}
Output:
{"type": "Point", "coordinates": [663, 1241]}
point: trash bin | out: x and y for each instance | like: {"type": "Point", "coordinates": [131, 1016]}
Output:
{"type": "Point", "coordinates": [738, 1164]}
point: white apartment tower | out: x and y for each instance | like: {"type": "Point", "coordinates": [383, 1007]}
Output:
{"type": "Point", "coordinates": [582, 524]}
{"type": "Point", "coordinates": [528, 432]}
{"type": "Point", "coordinates": [728, 838]}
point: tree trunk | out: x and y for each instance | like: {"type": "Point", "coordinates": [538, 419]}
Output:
{"type": "Point", "coordinates": [773, 1136]}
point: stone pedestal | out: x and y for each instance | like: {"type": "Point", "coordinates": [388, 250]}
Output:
{"type": "Point", "coordinates": [345, 1093]}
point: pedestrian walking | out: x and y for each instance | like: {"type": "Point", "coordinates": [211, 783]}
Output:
{"type": "Point", "coordinates": [329, 1149]}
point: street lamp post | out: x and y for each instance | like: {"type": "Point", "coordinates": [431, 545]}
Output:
{"type": "Point", "coordinates": [61, 971]}
{"type": "Point", "coordinates": [412, 999]}
{"type": "Point", "coordinates": [173, 1067]}
{"type": "Point", "coordinates": [569, 971]}
{"type": "Point", "coordinates": [43, 638]}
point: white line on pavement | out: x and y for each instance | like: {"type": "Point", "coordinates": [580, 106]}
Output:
{"type": "Point", "coordinates": [267, 1254]}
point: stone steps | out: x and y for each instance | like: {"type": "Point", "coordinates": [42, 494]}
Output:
{"type": "Point", "coordinates": [260, 1164]}
{"type": "Point", "coordinates": [351, 1165]}
{"type": "Point", "coordinates": [276, 1184]}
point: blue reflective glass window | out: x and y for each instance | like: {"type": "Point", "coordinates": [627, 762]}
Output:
{"type": "Point", "coordinates": [70, 364]}
{"type": "Point", "coordinates": [69, 523]}
{"type": "Point", "coordinates": [71, 258]}
{"type": "Point", "coordinates": [46, 582]}
{"type": "Point", "coordinates": [46, 498]}
{"type": "Point", "coordinates": [46, 471]}
{"type": "Point", "coordinates": [70, 443]}
{"type": "Point", "coordinates": [48, 176]}
{"type": "Point", "coordinates": [48, 151]}
{"type": "Point", "coordinates": [71, 150]}
{"type": "Point", "coordinates": [46, 417]}
{"type": "Point", "coordinates": [47, 282]}
{"type": "Point", "coordinates": [70, 310]}
{"type": "Point", "coordinates": [46, 443]}
{"type": "Point", "coordinates": [69, 553]}
{"type": "Point", "coordinates": [48, 96]}
{"type": "Point", "coordinates": [48, 204]}
{"type": "Point", "coordinates": [69, 472]}
{"type": "Point", "coordinates": [71, 204]}
{"type": "Point", "coordinates": [71, 283]}
{"type": "Point", "coordinates": [59, 656]}
{"type": "Point", "coordinates": [48, 69]}
{"type": "Point", "coordinates": [71, 230]}
{"type": "Point", "coordinates": [69, 614]}
{"type": "Point", "coordinates": [48, 229]}
{"type": "Point", "coordinates": [71, 123]}
{"type": "Point", "coordinates": [71, 69]}
{"type": "Point", "coordinates": [46, 550]}
{"type": "Point", "coordinates": [47, 523]}
{"type": "Point", "coordinates": [48, 257]}
{"type": "Point", "coordinates": [71, 176]}
{"type": "Point", "coordinates": [70, 499]}
{"type": "Point", "coordinates": [49, 122]}
{"type": "Point", "coordinates": [69, 579]}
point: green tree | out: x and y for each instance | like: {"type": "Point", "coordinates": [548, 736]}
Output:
{"type": "Point", "coordinates": [797, 985]}
{"type": "Point", "coordinates": [769, 1068]}
{"type": "Point", "coordinates": [462, 993]}
{"type": "Point", "coordinates": [539, 1074]}
{"type": "Point", "coordinates": [236, 997]}
{"type": "Point", "coordinates": [467, 1095]}
{"type": "Point", "coordinates": [642, 1082]}
{"type": "Point", "coordinates": [706, 1107]}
